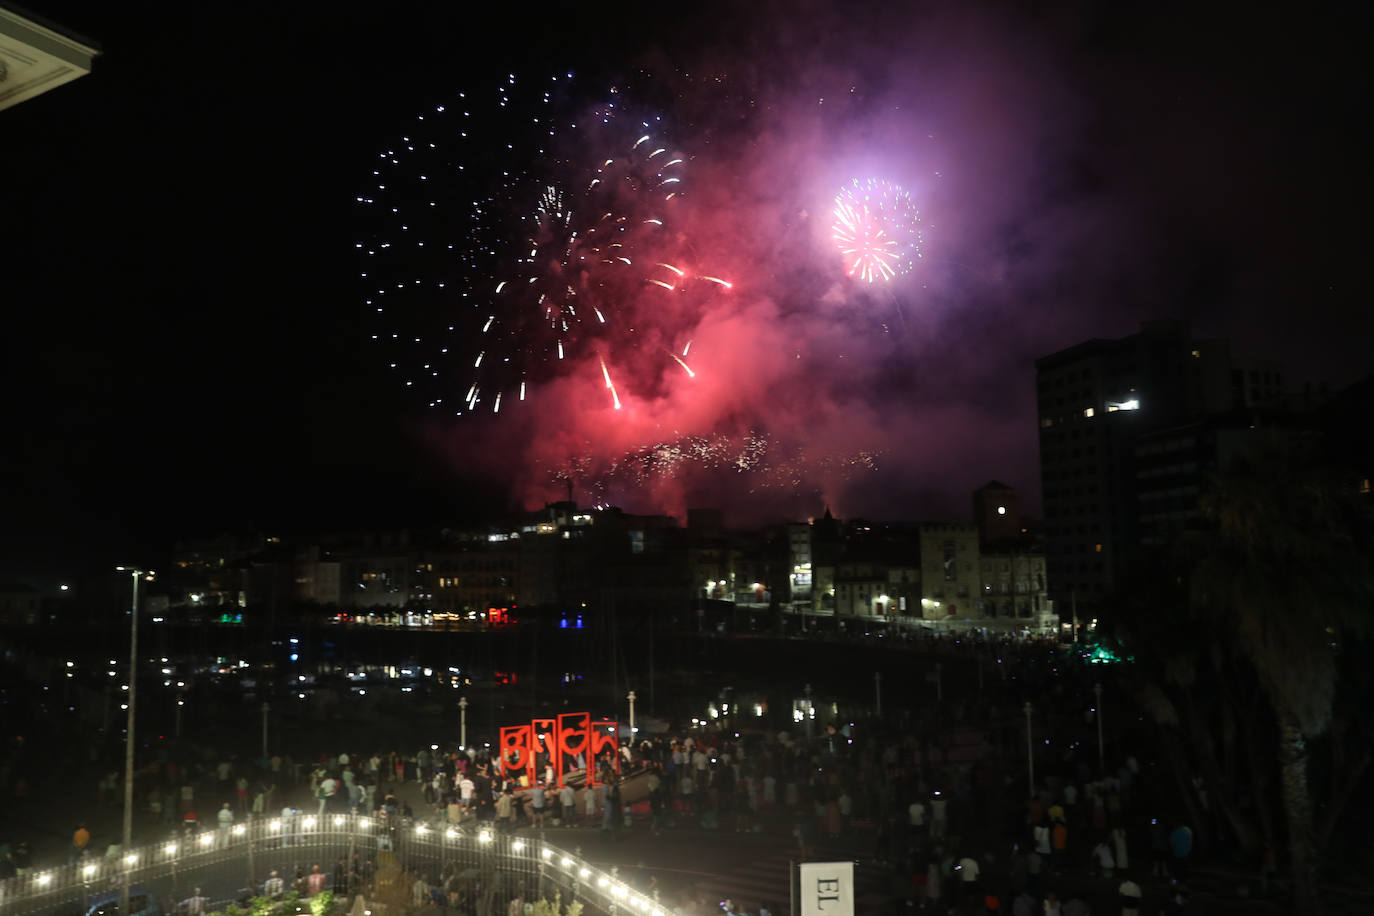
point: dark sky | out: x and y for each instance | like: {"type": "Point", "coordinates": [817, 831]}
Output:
{"type": "Point", "coordinates": [184, 345]}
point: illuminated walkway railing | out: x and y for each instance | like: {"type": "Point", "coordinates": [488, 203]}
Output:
{"type": "Point", "coordinates": [243, 855]}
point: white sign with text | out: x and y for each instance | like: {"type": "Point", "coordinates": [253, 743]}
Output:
{"type": "Point", "coordinates": [827, 889]}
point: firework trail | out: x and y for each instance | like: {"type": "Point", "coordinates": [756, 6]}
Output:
{"type": "Point", "coordinates": [520, 235]}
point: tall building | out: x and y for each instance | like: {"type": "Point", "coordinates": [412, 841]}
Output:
{"type": "Point", "coordinates": [1097, 401]}
{"type": "Point", "coordinates": [1011, 562]}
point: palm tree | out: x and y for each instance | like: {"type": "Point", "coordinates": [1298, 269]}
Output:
{"type": "Point", "coordinates": [1284, 570]}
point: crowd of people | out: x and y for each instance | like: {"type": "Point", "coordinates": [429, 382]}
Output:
{"type": "Point", "coordinates": [948, 821]}
{"type": "Point", "coordinates": [952, 831]}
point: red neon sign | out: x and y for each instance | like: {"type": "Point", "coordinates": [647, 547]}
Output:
{"type": "Point", "coordinates": [568, 744]}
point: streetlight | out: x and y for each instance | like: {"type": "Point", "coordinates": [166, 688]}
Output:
{"type": "Point", "coordinates": [1101, 756]}
{"type": "Point", "coordinates": [632, 717]}
{"type": "Point", "coordinates": [463, 723]}
{"type": "Point", "coordinates": [135, 574]}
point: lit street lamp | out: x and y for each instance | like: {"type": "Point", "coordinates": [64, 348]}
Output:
{"type": "Point", "coordinates": [632, 717]}
{"type": "Point", "coordinates": [463, 723]}
{"type": "Point", "coordinates": [135, 574]}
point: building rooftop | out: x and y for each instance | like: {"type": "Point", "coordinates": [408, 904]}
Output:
{"type": "Point", "coordinates": [37, 55]}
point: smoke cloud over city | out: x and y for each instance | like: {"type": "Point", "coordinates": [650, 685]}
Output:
{"type": "Point", "coordinates": [811, 387]}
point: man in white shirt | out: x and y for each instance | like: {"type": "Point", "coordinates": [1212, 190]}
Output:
{"type": "Point", "coordinates": [288, 815]}
{"type": "Point", "coordinates": [195, 905]}
{"type": "Point", "coordinates": [968, 878]}
{"type": "Point", "coordinates": [1128, 895]}
{"type": "Point", "coordinates": [273, 886]}
{"type": "Point", "coordinates": [688, 790]}
{"type": "Point", "coordinates": [1106, 862]}
{"type": "Point", "coordinates": [916, 815]}
{"type": "Point", "coordinates": [225, 817]}
{"type": "Point", "coordinates": [328, 786]}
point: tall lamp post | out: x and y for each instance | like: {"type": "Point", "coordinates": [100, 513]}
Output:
{"type": "Point", "coordinates": [463, 723]}
{"type": "Point", "coordinates": [631, 698]}
{"type": "Point", "coordinates": [135, 574]}
{"type": "Point", "coordinates": [1101, 754]}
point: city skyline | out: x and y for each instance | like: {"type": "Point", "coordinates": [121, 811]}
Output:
{"type": "Point", "coordinates": [193, 356]}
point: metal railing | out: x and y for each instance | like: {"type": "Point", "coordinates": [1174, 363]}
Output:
{"type": "Point", "coordinates": [516, 864]}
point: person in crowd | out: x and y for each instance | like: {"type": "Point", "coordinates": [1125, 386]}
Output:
{"type": "Point", "coordinates": [81, 838]}
{"type": "Point", "coordinates": [567, 797]}
{"type": "Point", "coordinates": [1128, 894]}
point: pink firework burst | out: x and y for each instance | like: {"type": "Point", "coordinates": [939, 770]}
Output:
{"type": "Point", "coordinates": [877, 229]}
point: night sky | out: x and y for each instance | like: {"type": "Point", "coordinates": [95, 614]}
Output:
{"type": "Point", "coordinates": [186, 348]}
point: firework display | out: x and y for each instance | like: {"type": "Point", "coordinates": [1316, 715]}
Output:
{"type": "Point", "coordinates": [578, 291]}
{"type": "Point", "coordinates": [522, 234]}
{"type": "Point", "coordinates": [877, 229]}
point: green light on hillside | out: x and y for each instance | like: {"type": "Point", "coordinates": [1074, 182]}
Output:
{"type": "Point", "coordinates": [1101, 655]}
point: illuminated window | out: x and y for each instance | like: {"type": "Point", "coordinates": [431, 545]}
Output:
{"type": "Point", "coordinates": [1089, 412]}
{"type": "Point", "coordinates": [1364, 485]}
{"type": "Point", "coordinates": [1097, 548]}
